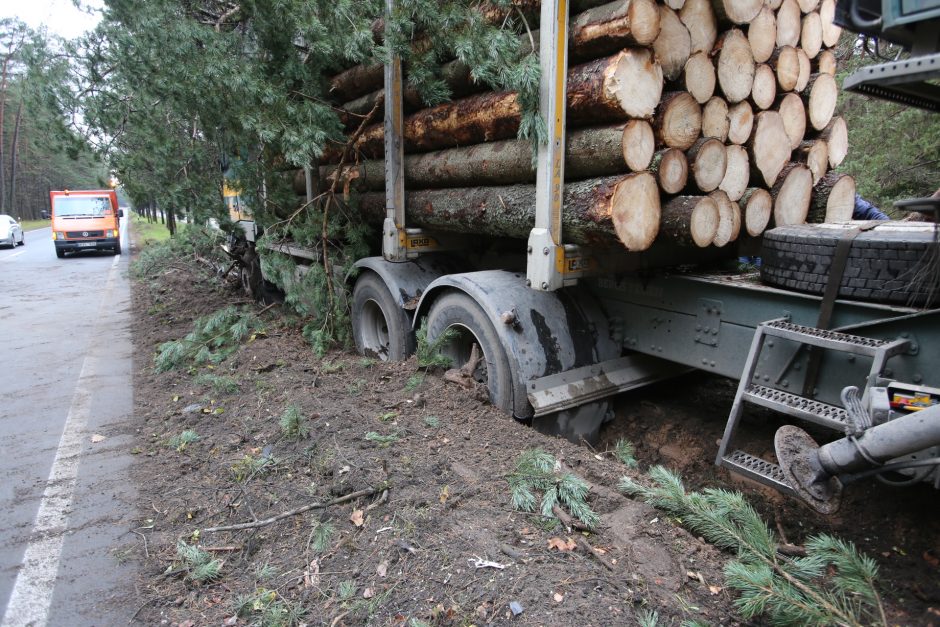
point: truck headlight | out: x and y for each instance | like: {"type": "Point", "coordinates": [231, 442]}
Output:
{"type": "Point", "coordinates": [58, 235]}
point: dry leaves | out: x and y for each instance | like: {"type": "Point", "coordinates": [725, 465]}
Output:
{"type": "Point", "coordinates": [357, 518]}
{"type": "Point", "coordinates": [562, 545]}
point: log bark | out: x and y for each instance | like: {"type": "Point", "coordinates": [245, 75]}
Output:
{"type": "Point", "coordinates": [786, 64]}
{"type": "Point", "coordinates": [509, 211]}
{"type": "Point", "coordinates": [788, 24]}
{"type": "Point", "coordinates": [825, 62]}
{"type": "Point", "coordinates": [671, 169]}
{"type": "Point", "coordinates": [737, 172]}
{"type": "Point", "coordinates": [830, 31]}
{"type": "Point", "coordinates": [689, 221]}
{"type": "Point", "coordinates": [673, 46]}
{"type": "Point", "coordinates": [627, 84]}
{"type": "Point", "coordinates": [678, 121]}
{"type": "Point", "coordinates": [708, 160]}
{"type": "Point", "coordinates": [833, 199]}
{"type": "Point", "coordinates": [635, 211]}
{"type": "Point", "coordinates": [637, 144]}
{"type": "Point", "coordinates": [764, 90]}
{"type": "Point", "coordinates": [806, 70]}
{"type": "Point", "coordinates": [613, 26]}
{"type": "Point", "coordinates": [768, 146]}
{"type": "Point", "coordinates": [356, 81]}
{"type": "Point", "coordinates": [698, 77]}
{"type": "Point", "coordinates": [715, 122]}
{"type": "Point", "coordinates": [735, 65]}
{"type": "Point", "coordinates": [699, 18]}
{"type": "Point", "coordinates": [792, 193]}
{"type": "Point", "coordinates": [740, 122]}
{"type": "Point", "coordinates": [815, 154]}
{"type": "Point", "coordinates": [762, 35]}
{"type": "Point", "coordinates": [757, 206]}
{"type": "Point", "coordinates": [836, 135]}
{"type": "Point", "coordinates": [589, 153]}
{"type": "Point", "coordinates": [736, 11]}
{"type": "Point", "coordinates": [821, 102]}
{"type": "Point", "coordinates": [793, 113]}
{"type": "Point", "coordinates": [811, 34]}
{"type": "Point", "coordinates": [729, 219]}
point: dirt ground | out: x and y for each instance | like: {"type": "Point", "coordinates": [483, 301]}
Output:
{"type": "Point", "coordinates": [433, 538]}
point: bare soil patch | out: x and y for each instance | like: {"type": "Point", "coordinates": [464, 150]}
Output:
{"type": "Point", "coordinates": [421, 546]}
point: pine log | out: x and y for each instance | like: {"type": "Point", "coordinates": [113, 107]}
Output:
{"type": "Point", "coordinates": [768, 146]}
{"type": "Point", "coordinates": [786, 64]}
{"type": "Point", "coordinates": [735, 65]}
{"type": "Point", "coordinates": [635, 210]}
{"type": "Point", "coordinates": [729, 219]}
{"type": "Point", "coordinates": [757, 206]}
{"type": "Point", "coordinates": [737, 172]}
{"type": "Point", "coordinates": [793, 113]}
{"type": "Point", "coordinates": [675, 5]}
{"type": "Point", "coordinates": [637, 144]}
{"type": "Point", "coordinates": [699, 18]}
{"type": "Point", "coordinates": [806, 70]}
{"type": "Point", "coordinates": [612, 26]}
{"type": "Point", "coordinates": [811, 34]}
{"type": "Point", "coordinates": [689, 221]}
{"type": "Point", "coordinates": [762, 35]}
{"type": "Point", "coordinates": [764, 90]}
{"type": "Point", "coordinates": [836, 135]}
{"type": "Point", "coordinates": [708, 160]}
{"type": "Point", "coordinates": [791, 194]}
{"type": "Point", "coordinates": [589, 153]}
{"type": "Point", "coordinates": [627, 84]}
{"type": "Point", "coordinates": [509, 211]}
{"type": "Point", "coordinates": [825, 62]}
{"type": "Point", "coordinates": [671, 169]}
{"type": "Point", "coordinates": [673, 46]}
{"type": "Point", "coordinates": [773, 5]}
{"type": "Point", "coordinates": [833, 199]}
{"type": "Point", "coordinates": [821, 102]}
{"type": "Point", "coordinates": [357, 81]}
{"type": "Point", "coordinates": [788, 24]}
{"type": "Point", "coordinates": [815, 154]}
{"type": "Point", "coordinates": [830, 31]}
{"type": "Point", "coordinates": [698, 77]}
{"type": "Point", "coordinates": [678, 121]}
{"type": "Point", "coordinates": [715, 122]}
{"type": "Point", "coordinates": [740, 122]}
{"type": "Point", "coordinates": [736, 11]}
{"type": "Point", "coordinates": [807, 6]}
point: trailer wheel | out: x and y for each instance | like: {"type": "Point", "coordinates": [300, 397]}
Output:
{"type": "Point", "coordinates": [458, 312]}
{"type": "Point", "coordinates": [381, 328]}
{"type": "Point", "coordinates": [897, 262]}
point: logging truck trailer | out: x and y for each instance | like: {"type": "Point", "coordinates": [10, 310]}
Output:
{"type": "Point", "coordinates": [554, 330]}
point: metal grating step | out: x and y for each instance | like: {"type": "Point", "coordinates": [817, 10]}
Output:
{"type": "Point", "coordinates": [832, 340]}
{"type": "Point", "coordinates": [757, 469]}
{"type": "Point", "coordinates": [817, 412]}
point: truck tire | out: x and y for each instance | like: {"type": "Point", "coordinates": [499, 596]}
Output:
{"type": "Point", "coordinates": [381, 327]}
{"type": "Point", "coordinates": [59, 253]}
{"type": "Point", "coordinates": [458, 311]}
{"type": "Point", "coordinates": [117, 249]}
{"type": "Point", "coordinates": [892, 263]}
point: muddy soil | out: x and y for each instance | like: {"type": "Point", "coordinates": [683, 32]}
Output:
{"type": "Point", "coordinates": [433, 537]}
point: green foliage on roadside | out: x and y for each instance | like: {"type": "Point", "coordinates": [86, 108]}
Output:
{"type": "Point", "coordinates": [294, 424]}
{"type": "Point", "coordinates": [625, 451]}
{"type": "Point", "coordinates": [199, 565]}
{"type": "Point", "coordinates": [538, 473]}
{"type": "Point", "coordinates": [212, 339]}
{"type": "Point", "coordinates": [187, 245]}
{"type": "Point", "coordinates": [267, 608]}
{"type": "Point", "coordinates": [833, 584]}
{"type": "Point", "coordinates": [428, 353]}
{"type": "Point", "coordinates": [182, 440]}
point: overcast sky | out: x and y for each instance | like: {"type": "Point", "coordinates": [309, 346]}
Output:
{"type": "Point", "coordinates": [58, 16]}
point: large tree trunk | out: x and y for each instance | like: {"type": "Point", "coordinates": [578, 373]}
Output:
{"type": "Point", "coordinates": [673, 46]}
{"type": "Point", "coordinates": [737, 172]}
{"type": "Point", "coordinates": [815, 154]}
{"type": "Point", "coordinates": [836, 135]}
{"type": "Point", "coordinates": [613, 26]}
{"type": "Point", "coordinates": [735, 65]}
{"type": "Point", "coordinates": [699, 18]}
{"type": "Point", "coordinates": [793, 113]}
{"type": "Point", "coordinates": [788, 24]}
{"type": "Point", "coordinates": [671, 169]}
{"type": "Point", "coordinates": [769, 146]}
{"type": "Point", "coordinates": [678, 122]}
{"type": "Point", "coordinates": [697, 78]}
{"type": "Point", "coordinates": [757, 205]}
{"type": "Point", "coordinates": [786, 64]}
{"type": "Point", "coordinates": [764, 90]}
{"type": "Point", "coordinates": [740, 122]}
{"type": "Point", "coordinates": [821, 102]}
{"type": "Point", "coordinates": [591, 210]}
{"type": "Point", "coordinates": [689, 221]}
{"type": "Point", "coordinates": [791, 194]}
{"type": "Point", "coordinates": [3, 98]}
{"type": "Point", "coordinates": [729, 219]}
{"type": "Point", "coordinates": [811, 34]}
{"type": "Point", "coordinates": [708, 159]}
{"type": "Point", "coordinates": [830, 31]}
{"type": "Point", "coordinates": [762, 35]}
{"type": "Point", "coordinates": [13, 156]}
{"type": "Point", "coordinates": [833, 199]}
{"type": "Point", "coordinates": [715, 122]}
{"type": "Point", "coordinates": [736, 11]}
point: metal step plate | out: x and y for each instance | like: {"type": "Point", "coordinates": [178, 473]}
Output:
{"type": "Point", "coordinates": [832, 340]}
{"type": "Point", "coordinates": [757, 469]}
{"type": "Point", "coordinates": [817, 412]}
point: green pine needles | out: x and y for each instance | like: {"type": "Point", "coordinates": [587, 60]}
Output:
{"type": "Point", "coordinates": [428, 353]}
{"type": "Point", "coordinates": [212, 339]}
{"type": "Point", "coordinates": [199, 565]}
{"type": "Point", "coordinates": [294, 424]}
{"type": "Point", "coordinates": [787, 590]}
{"type": "Point", "coordinates": [538, 473]}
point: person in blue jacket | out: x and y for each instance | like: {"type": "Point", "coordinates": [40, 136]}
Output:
{"type": "Point", "coordinates": [864, 210]}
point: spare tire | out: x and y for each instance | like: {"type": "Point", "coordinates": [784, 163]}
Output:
{"type": "Point", "coordinates": [895, 262]}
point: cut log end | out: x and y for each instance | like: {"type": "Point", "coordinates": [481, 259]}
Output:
{"type": "Point", "coordinates": [672, 170]}
{"type": "Point", "coordinates": [769, 146]}
{"type": "Point", "coordinates": [740, 122]}
{"type": "Point", "coordinates": [833, 199]}
{"type": "Point", "coordinates": [689, 220]}
{"type": "Point", "coordinates": [737, 172]}
{"type": "Point", "coordinates": [638, 144]}
{"type": "Point", "coordinates": [708, 159]}
{"type": "Point", "coordinates": [715, 122]}
{"type": "Point", "coordinates": [735, 66]}
{"type": "Point", "coordinates": [823, 95]}
{"type": "Point", "coordinates": [635, 211]}
{"type": "Point", "coordinates": [792, 194]}
{"type": "Point", "coordinates": [757, 205]}
{"type": "Point", "coordinates": [836, 135]}
{"type": "Point", "coordinates": [699, 77]}
{"type": "Point", "coordinates": [793, 114]}
{"type": "Point", "coordinates": [729, 219]}
{"type": "Point", "coordinates": [678, 121]}
{"type": "Point", "coordinates": [637, 82]}
{"type": "Point", "coordinates": [673, 46]}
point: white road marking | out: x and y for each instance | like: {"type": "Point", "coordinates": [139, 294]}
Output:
{"type": "Point", "coordinates": [31, 597]}
{"type": "Point", "coordinates": [8, 257]}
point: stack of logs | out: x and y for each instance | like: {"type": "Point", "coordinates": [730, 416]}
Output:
{"type": "Point", "coordinates": [692, 121]}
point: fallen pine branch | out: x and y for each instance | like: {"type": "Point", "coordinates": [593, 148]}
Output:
{"type": "Point", "coordinates": [584, 544]}
{"type": "Point", "coordinates": [300, 510]}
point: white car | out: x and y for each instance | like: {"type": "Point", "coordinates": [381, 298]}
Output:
{"type": "Point", "coordinates": [11, 233]}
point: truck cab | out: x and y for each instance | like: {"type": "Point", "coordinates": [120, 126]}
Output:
{"type": "Point", "coordinates": [85, 220]}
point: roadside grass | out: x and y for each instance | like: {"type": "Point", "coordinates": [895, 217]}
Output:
{"type": "Point", "coordinates": [32, 225]}
{"type": "Point", "coordinates": [150, 232]}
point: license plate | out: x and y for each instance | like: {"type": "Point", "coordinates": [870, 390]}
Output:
{"type": "Point", "coordinates": [86, 244]}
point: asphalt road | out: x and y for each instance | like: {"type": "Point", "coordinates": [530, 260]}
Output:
{"type": "Point", "coordinates": [66, 501]}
